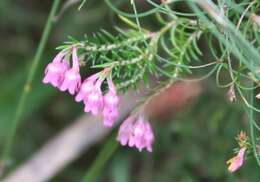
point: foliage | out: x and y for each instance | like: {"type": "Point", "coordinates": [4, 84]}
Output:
{"type": "Point", "coordinates": [232, 38]}
{"type": "Point", "coordinates": [170, 40]}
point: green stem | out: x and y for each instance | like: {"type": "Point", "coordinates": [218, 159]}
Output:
{"type": "Point", "coordinates": [252, 131]}
{"type": "Point", "coordinates": [105, 154]}
{"type": "Point", "coordinates": [136, 15]}
{"type": "Point", "coordinates": [27, 87]}
{"type": "Point", "coordinates": [82, 4]}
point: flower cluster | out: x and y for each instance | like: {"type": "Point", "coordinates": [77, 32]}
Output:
{"type": "Point", "coordinates": [136, 132]}
{"type": "Point", "coordinates": [60, 74]}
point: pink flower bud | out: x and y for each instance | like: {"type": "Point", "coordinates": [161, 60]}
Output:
{"type": "Point", "coordinates": [231, 94]}
{"type": "Point", "coordinates": [236, 162]}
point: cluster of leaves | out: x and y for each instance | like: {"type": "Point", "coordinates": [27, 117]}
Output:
{"type": "Point", "coordinates": [122, 53]}
{"type": "Point", "coordinates": [136, 53]}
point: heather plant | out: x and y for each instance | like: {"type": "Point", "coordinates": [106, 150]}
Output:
{"type": "Point", "coordinates": [192, 41]}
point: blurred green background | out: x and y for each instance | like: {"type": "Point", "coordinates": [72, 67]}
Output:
{"type": "Point", "coordinates": [194, 146]}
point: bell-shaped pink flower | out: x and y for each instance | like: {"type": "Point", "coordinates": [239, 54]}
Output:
{"type": "Point", "coordinates": [86, 87]}
{"type": "Point", "coordinates": [143, 135]}
{"type": "Point", "coordinates": [72, 78]}
{"type": "Point", "coordinates": [111, 100]}
{"type": "Point", "coordinates": [137, 133]}
{"type": "Point", "coordinates": [236, 162]}
{"type": "Point", "coordinates": [110, 116]}
{"type": "Point", "coordinates": [148, 137]}
{"type": "Point", "coordinates": [94, 102]}
{"type": "Point", "coordinates": [125, 130]}
{"type": "Point", "coordinates": [54, 72]}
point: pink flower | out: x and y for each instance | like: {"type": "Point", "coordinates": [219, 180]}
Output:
{"type": "Point", "coordinates": [125, 130]}
{"type": "Point", "coordinates": [111, 100]}
{"type": "Point", "coordinates": [110, 116]}
{"type": "Point", "coordinates": [137, 133]}
{"type": "Point", "coordinates": [143, 135]}
{"type": "Point", "coordinates": [54, 72]}
{"type": "Point", "coordinates": [72, 79]}
{"type": "Point", "coordinates": [86, 87]}
{"type": "Point", "coordinates": [94, 102]}
{"type": "Point", "coordinates": [258, 96]}
{"type": "Point", "coordinates": [148, 137]}
{"type": "Point", "coordinates": [236, 162]}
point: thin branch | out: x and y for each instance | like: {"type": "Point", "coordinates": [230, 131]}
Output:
{"type": "Point", "coordinates": [244, 13]}
{"type": "Point", "coordinates": [28, 85]}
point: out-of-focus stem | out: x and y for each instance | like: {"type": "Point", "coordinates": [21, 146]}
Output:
{"type": "Point", "coordinates": [28, 85]}
{"type": "Point", "coordinates": [105, 154]}
{"type": "Point", "coordinates": [207, 5]}
{"type": "Point", "coordinates": [251, 125]}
